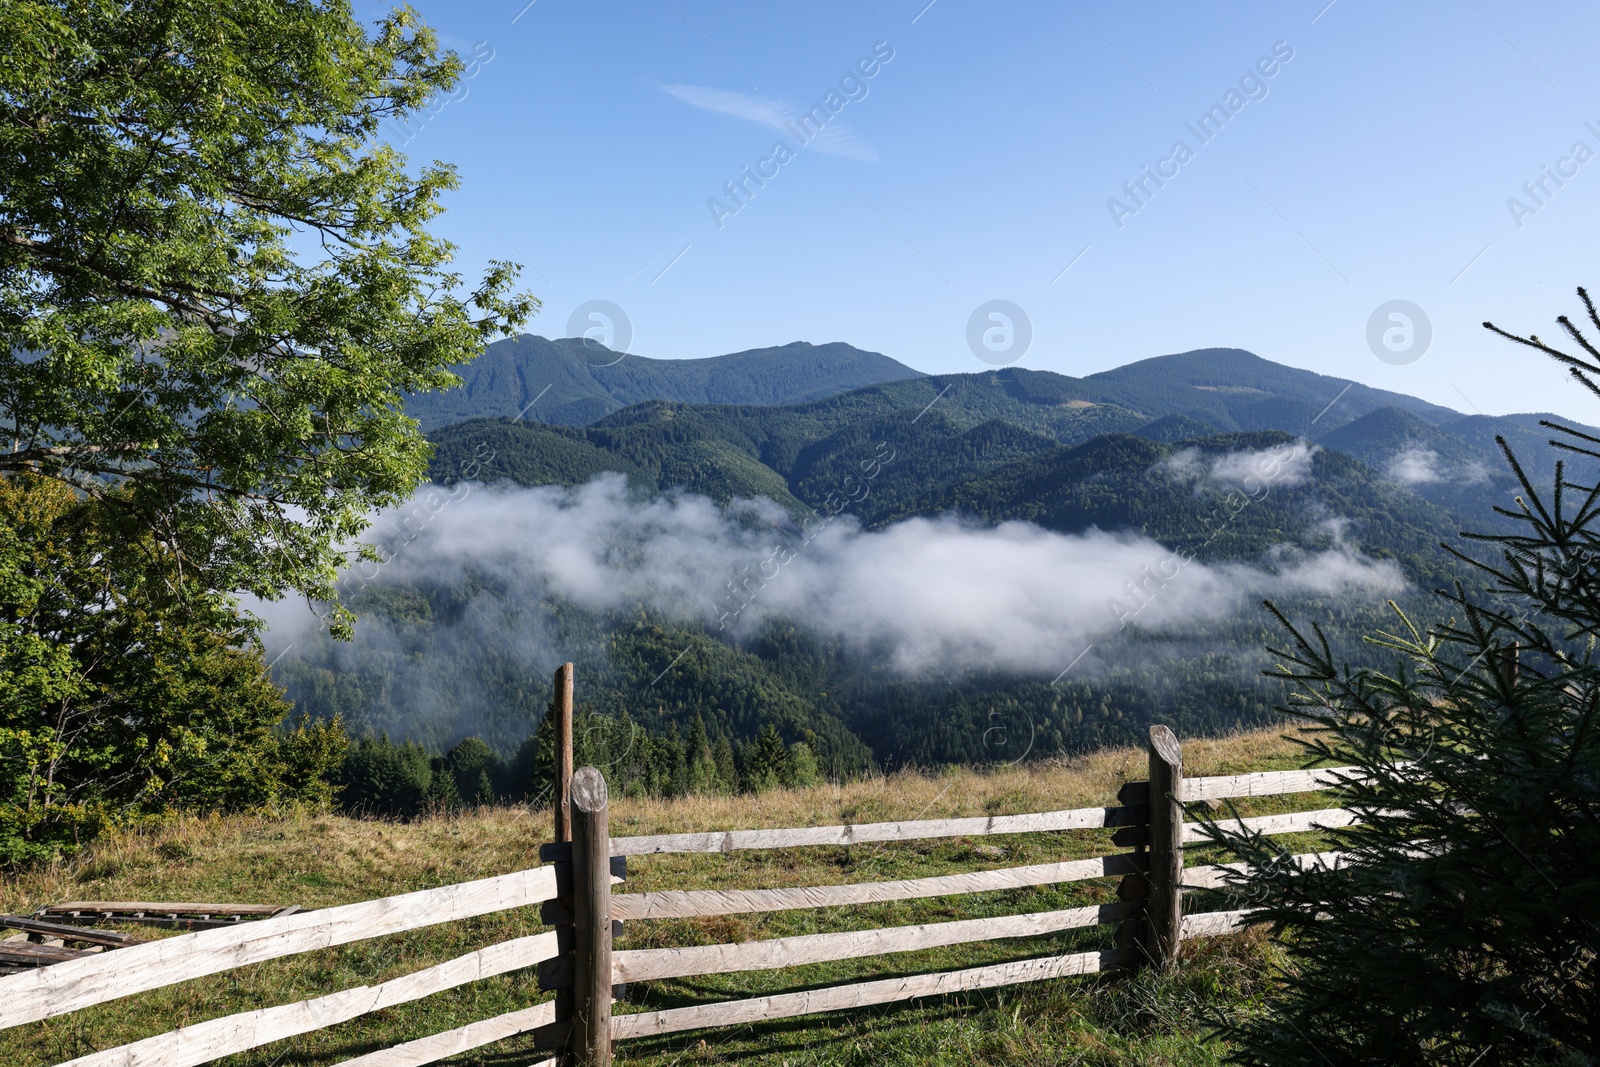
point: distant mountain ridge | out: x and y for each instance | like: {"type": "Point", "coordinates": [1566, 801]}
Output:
{"type": "Point", "coordinates": [748, 423]}
{"type": "Point", "coordinates": [574, 382]}
{"type": "Point", "coordinates": [1237, 390]}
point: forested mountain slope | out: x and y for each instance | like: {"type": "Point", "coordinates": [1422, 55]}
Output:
{"type": "Point", "coordinates": [1170, 497]}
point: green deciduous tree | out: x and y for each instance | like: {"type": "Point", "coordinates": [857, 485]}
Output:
{"type": "Point", "coordinates": [121, 701]}
{"type": "Point", "coordinates": [216, 287]}
{"type": "Point", "coordinates": [217, 283]}
{"type": "Point", "coordinates": [1462, 925]}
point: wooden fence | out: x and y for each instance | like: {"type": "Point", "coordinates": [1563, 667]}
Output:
{"type": "Point", "coordinates": [577, 961]}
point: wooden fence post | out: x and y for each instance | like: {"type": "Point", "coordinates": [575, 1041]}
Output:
{"type": "Point", "coordinates": [591, 915]}
{"type": "Point", "coordinates": [563, 794]}
{"type": "Point", "coordinates": [1165, 904]}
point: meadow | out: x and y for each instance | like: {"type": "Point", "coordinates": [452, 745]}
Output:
{"type": "Point", "coordinates": [318, 860]}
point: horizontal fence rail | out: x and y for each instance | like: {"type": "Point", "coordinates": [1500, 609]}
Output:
{"type": "Point", "coordinates": [1267, 783]}
{"type": "Point", "coordinates": [867, 833]}
{"type": "Point", "coordinates": [1293, 823]}
{"type": "Point", "coordinates": [642, 965]}
{"type": "Point", "coordinates": [1213, 923]}
{"type": "Point", "coordinates": [66, 987]}
{"type": "Point", "coordinates": [204, 1042]}
{"type": "Point", "coordinates": [1215, 875]}
{"type": "Point", "coordinates": [435, 1047]}
{"type": "Point", "coordinates": [680, 904]}
{"type": "Point", "coordinates": [863, 994]}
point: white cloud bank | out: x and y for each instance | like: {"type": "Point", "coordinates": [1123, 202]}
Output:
{"type": "Point", "coordinates": [934, 595]}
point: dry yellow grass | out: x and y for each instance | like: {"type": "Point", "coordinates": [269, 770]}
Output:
{"type": "Point", "coordinates": [1047, 785]}
{"type": "Point", "coordinates": [321, 860]}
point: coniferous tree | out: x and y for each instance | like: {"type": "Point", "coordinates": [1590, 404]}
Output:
{"type": "Point", "coordinates": [698, 745]}
{"type": "Point", "coordinates": [483, 795]}
{"type": "Point", "coordinates": [379, 777]}
{"type": "Point", "coordinates": [443, 795]}
{"type": "Point", "coordinates": [530, 774]}
{"type": "Point", "coordinates": [477, 765]}
{"type": "Point", "coordinates": [703, 776]}
{"type": "Point", "coordinates": [722, 759]}
{"type": "Point", "coordinates": [1462, 925]}
{"type": "Point", "coordinates": [677, 779]}
{"type": "Point", "coordinates": [768, 761]}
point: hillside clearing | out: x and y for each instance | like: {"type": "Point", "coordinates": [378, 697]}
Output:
{"type": "Point", "coordinates": [319, 860]}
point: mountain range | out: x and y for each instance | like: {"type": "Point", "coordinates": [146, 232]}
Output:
{"type": "Point", "coordinates": [575, 381]}
{"type": "Point", "coordinates": [1008, 621]}
{"type": "Point", "coordinates": [754, 423]}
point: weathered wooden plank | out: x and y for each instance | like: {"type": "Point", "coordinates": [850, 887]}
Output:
{"type": "Point", "coordinates": [1211, 876]}
{"type": "Point", "coordinates": [641, 965]}
{"type": "Point", "coordinates": [861, 994]}
{"type": "Point", "coordinates": [591, 919]}
{"type": "Point", "coordinates": [1212, 923]}
{"type": "Point", "coordinates": [1267, 783]}
{"type": "Point", "coordinates": [203, 1042]}
{"type": "Point", "coordinates": [106, 938]}
{"type": "Point", "coordinates": [25, 952]}
{"type": "Point", "coordinates": [562, 802]}
{"type": "Point", "coordinates": [66, 987]}
{"type": "Point", "coordinates": [677, 904]}
{"type": "Point", "coordinates": [184, 923]}
{"type": "Point", "coordinates": [1294, 822]}
{"type": "Point", "coordinates": [161, 907]}
{"type": "Point", "coordinates": [1164, 904]}
{"type": "Point", "coordinates": [170, 922]}
{"type": "Point", "coordinates": [436, 1047]}
{"type": "Point", "coordinates": [863, 833]}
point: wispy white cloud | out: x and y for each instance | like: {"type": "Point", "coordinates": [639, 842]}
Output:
{"type": "Point", "coordinates": [832, 139]}
{"type": "Point", "coordinates": [1282, 465]}
{"type": "Point", "coordinates": [1415, 465]}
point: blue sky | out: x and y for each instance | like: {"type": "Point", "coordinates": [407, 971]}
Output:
{"type": "Point", "coordinates": [976, 163]}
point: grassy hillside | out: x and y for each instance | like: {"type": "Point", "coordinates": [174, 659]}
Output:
{"type": "Point", "coordinates": [319, 861]}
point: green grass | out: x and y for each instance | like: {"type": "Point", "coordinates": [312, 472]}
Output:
{"type": "Point", "coordinates": [318, 861]}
